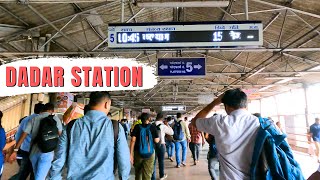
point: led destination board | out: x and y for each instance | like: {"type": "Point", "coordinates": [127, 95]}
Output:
{"type": "Point", "coordinates": [177, 35]}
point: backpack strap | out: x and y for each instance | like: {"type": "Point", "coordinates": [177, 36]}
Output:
{"type": "Point", "coordinates": [115, 125]}
{"type": "Point", "coordinates": [68, 129]}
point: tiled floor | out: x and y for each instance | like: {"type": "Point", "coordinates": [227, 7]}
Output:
{"type": "Point", "coordinates": [191, 172]}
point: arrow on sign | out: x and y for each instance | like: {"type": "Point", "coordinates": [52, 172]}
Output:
{"type": "Point", "coordinates": [163, 67]}
{"type": "Point", "coordinates": [197, 66]}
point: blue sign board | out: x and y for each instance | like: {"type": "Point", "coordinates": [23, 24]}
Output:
{"type": "Point", "coordinates": [184, 66]}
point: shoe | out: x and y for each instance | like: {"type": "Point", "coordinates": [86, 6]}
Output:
{"type": "Point", "coordinates": [171, 159]}
{"type": "Point", "coordinates": [164, 177]}
{"type": "Point", "coordinates": [178, 166]}
{"type": "Point", "coordinates": [195, 163]}
{"type": "Point", "coordinates": [183, 164]}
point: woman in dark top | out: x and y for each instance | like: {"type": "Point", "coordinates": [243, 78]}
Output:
{"type": "Point", "coordinates": [2, 144]}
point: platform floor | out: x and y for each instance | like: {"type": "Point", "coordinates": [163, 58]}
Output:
{"type": "Point", "coordinates": [191, 172]}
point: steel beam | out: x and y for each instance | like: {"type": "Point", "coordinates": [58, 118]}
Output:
{"type": "Point", "coordinates": [271, 21]}
{"type": "Point", "coordinates": [261, 11]}
{"type": "Point", "coordinates": [58, 31]}
{"type": "Point", "coordinates": [282, 27]}
{"type": "Point", "coordinates": [54, 1]}
{"type": "Point", "coordinates": [99, 6]}
{"type": "Point", "coordinates": [122, 11]}
{"type": "Point", "coordinates": [154, 51]}
{"type": "Point", "coordinates": [292, 9]}
{"type": "Point", "coordinates": [228, 13]}
{"type": "Point", "coordinates": [304, 21]}
{"type": "Point", "coordinates": [52, 25]}
{"type": "Point", "coordinates": [13, 15]}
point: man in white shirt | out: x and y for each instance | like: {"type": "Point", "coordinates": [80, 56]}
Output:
{"type": "Point", "coordinates": [235, 133]}
{"type": "Point", "coordinates": [161, 149]}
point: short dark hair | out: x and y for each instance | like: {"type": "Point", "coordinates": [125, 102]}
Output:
{"type": "Point", "coordinates": [38, 108]}
{"type": "Point", "coordinates": [48, 107]}
{"type": "Point", "coordinates": [258, 115]}
{"type": "Point", "coordinates": [169, 118]}
{"type": "Point", "coordinates": [109, 114]}
{"type": "Point", "coordinates": [98, 97]}
{"type": "Point", "coordinates": [86, 109]}
{"type": "Point", "coordinates": [179, 115]}
{"type": "Point", "coordinates": [145, 117]}
{"type": "Point", "coordinates": [159, 116]}
{"type": "Point", "coordinates": [235, 98]}
{"type": "Point", "coordinates": [123, 120]}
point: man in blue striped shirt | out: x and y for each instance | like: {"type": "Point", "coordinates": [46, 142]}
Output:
{"type": "Point", "coordinates": [91, 149]}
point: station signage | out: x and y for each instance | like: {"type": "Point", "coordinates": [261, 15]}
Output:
{"type": "Point", "coordinates": [174, 108]}
{"type": "Point", "coordinates": [185, 34]}
{"type": "Point", "coordinates": [183, 66]}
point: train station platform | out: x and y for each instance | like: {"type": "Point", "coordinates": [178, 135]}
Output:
{"type": "Point", "coordinates": [192, 172]}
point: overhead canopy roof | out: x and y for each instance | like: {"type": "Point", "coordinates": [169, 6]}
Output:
{"type": "Point", "coordinates": [290, 27]}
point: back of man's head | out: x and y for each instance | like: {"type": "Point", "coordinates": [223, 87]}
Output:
{"type": "Point", "coordinates": [235, 98]}
{"type": "Point", "coordinates": [318, 120]}
{"type": "Point", "coordinates": [100, 101]}
{"type": "Point", "coordinates": [169, 118]}
{"type": "Point", "coordinates": [145, 118]}
{"type": "Point", "coordinates": [159, 116]}
{"type": "Point", "coordinates": [38, 108]}
{"type": "Point", "coordinates": [49, 107]}
{"type": "Point", "coordinates": [179, 115]}
{"type": "Point", "coordinates": [86, 109]}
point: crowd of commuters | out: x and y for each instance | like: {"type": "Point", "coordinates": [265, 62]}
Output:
{"type": "Point", "coordinates": [96, 147]}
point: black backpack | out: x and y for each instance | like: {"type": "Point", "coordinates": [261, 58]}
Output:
{"type": "Point", "coordinates": [48, 135]}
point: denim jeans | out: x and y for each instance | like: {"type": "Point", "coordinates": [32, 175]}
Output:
{"type": "Point", "coordinates": [25, 167]}
{"type": "Point", "coordinates": [160, 152]}
{"type": "Point", "coordinates": [170, 148]}
{"type": "Point", "coordinates": [195, 150]}
{"type": "Point", "coordinates": [41, 163]}
{"type": "Point", "coordinates": [179, 145]}
{"type": "Point", "coordinates": [211, 164]}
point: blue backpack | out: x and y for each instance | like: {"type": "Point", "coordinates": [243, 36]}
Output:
{"type": "Point", "coordinates": [272, 156]}
{"type": "Point", "coordinates": [146, 148]}
{"type": "Point", "coordinates": [177, 131]}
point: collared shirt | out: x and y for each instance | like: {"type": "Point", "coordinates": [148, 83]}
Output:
{"type": "Point", "coordinates": [25, 146]}
{"type": "Point", "coordinates": [315, 130]}
{"type": "Point", "coordinates": [235, 136]}
{"type": "Point", "coordinates": [91, 151]}
{"type": "Point", "coordinates": [164, 130]}
{"type": "Point", "coordinates": [185, 129]}
{"type": "Point", "coordinates": [32, 129]}
{"type": "Point", "coordinates": [196, 136]}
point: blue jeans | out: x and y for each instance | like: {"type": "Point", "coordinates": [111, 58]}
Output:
{"type": "Point", "coordinates": [41, 163]}
{"type": "Point", "coordinates": [195, 150]}
{"type": "Point", "coordinates": [178, 145]}
{"type": "Point", "coordinates": [160, 152]}
{"type": "Point", "coordinates": [170, 147]}
{"type": "Point", "coordinates": [211, 164]}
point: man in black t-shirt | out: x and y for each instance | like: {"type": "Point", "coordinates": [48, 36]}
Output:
{"type": "Point", "coordinates": [143, 161]}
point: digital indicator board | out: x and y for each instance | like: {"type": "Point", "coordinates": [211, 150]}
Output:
{"type": "Point", "coordinates": [187, 34]}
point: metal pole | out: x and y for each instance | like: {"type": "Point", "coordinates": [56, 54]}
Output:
{"type": "Point", "coordinates": [246, 8]}
{"type": "Point", "coordinates": [307, 105]}
{"type": "Point", "coordinates": [122, 11]}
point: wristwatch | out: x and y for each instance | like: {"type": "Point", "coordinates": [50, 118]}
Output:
{"type": "Point", "coordinates": [15, 150]}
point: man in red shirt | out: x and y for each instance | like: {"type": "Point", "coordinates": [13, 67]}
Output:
{"type": "Point", "coordinates": [197, 140]}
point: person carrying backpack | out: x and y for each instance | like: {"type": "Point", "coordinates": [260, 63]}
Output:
{"type": "Point", "coordinates": [181, 136]}
{"type": "Point", "coordinates": [169, 141]}
{"type": "Point", "coordinates": [25, 163]}
{"type": "Point", "coordinates": [163, 130]}
{"type": "Point", "coordinates": [93, 146]}
{"type": "Point", "coordinates": [44, 130]}
{"type": "Point", "coordinates": [142, 148]}
{"type": "Point", "coordinates": [242, 139]}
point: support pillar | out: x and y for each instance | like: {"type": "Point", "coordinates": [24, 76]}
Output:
{"type": "Point", "coordinates": [307, 106]}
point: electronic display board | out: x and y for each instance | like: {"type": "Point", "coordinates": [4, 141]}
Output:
{"type": "Point", "coordinates": [185, 34]}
